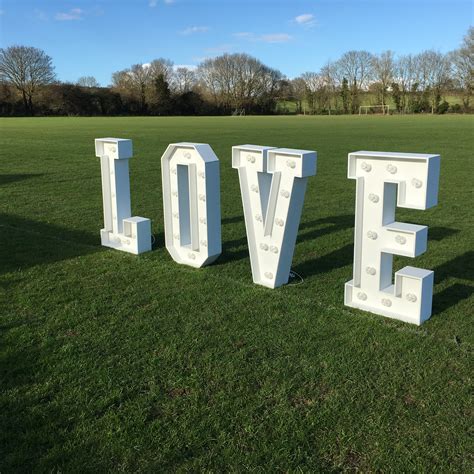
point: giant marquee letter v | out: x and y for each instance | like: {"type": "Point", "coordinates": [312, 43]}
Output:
{"type": "Point", "coordinates": [384, 181]}
{"type": "Point", "coordinates": [273, 184]}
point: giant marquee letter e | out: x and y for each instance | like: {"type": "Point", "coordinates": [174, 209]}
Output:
{"type": "Point", "coordinates": [191, 203]}
{"type": "Point", "coordinates": [273, 184]}
{"type": "Point", "coordinates": [121, 232]}
{"type": "Point", "coordinates": [384, 181]}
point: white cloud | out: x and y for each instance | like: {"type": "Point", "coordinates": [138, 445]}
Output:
{"type": "Point", "coordinates": [222, 48]}
{"type": "Point", "coordinates": [306, 19]}
{"type": "Point", "coordinates": [213, 52]}
{"type": "Point", "coordinates": [275, 38]}
{"type": "Point", "coordinates": [195, 29]}
{"type": "Point", "coordinates": [244, 34]}
{"type": "Point", "coordinates": [266, 38]}
{"type": "Point", "coordinates": [74, 14]}
{"type": "Point", "coordinates": [154, 3]}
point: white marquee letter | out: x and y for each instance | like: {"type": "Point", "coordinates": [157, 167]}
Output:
{"type": "Point", "coordinates": [121, 232]}
{"type": "Point", "coordinates": [272, 184]}
{"type": "Point", "coordinates": [191, 203]}
{"type": "Point", "coordinates": [384, 181]}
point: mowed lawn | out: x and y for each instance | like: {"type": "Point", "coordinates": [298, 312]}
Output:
{"type": "Point", "coordinates": [115, 362]}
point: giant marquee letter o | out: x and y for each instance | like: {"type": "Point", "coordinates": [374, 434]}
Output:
{"type": "Point", "coordinates": [191, 203]}
{"type": "Point", "coordinates": [384, 181]}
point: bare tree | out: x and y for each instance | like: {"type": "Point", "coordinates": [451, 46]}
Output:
{"type": "Point", "coordinates": [406, 76]}
{"type": "Point", "coordinates": [121, 80]}
{"type": "Point", "coordinates": [134, 83]}
{"type": "Point", "coordinates": [317, 92]}
{"type": "Point", "coordinates": [140, 76]}
{"type": "Point", "coordinates": [434, 74]}
{"type": "Point", "coordinates": [87, 81]}
{"type": "Point", "coordinates": [357, 68]}
{"type": "Point", "coordinates": [139, 82]}
{"type": "Point", "coordinates": [329, 75]}
{"type": "Point", "coordinates": [207, 81]}
{"type": "Point", "coordinates": [299, 90]}
{"type": "Point", "coordinates": [184, 79]}
{"type": "Point", "coordinates": [249, 77]}
{"type": "Point", "coordinates": [271, 83]}
{"type": "Point", "coordinates": [217, 76]}
{"type": "Point", "coordinates": [463, 62]}
{"type": "Point", "coordinates": [383, 70]}
{"type": "Point", "coordinates": [162, 67]}
{"type": "Point", "coordinates": [237, 81]}
{"type": "Point", "coordinates": [27, 68]}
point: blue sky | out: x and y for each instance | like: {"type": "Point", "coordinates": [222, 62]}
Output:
{"type": "Point", "coordinates": [98, 37]}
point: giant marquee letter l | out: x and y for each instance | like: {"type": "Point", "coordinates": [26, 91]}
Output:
{"type": "Point", "coordinates": [273, 184]}
{"type": "Point", "coordinates": [384, 181]}
{"type": "Point", "coordinates": [121, 232]}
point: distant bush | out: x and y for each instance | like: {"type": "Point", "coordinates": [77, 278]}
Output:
{"type": "Point", "coordinates": [455, 109]}
{"type": "Point", "coordinates": [443, 107]}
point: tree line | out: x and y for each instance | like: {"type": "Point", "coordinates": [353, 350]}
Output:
{"type": "Point", "coordinates": [240, 83]}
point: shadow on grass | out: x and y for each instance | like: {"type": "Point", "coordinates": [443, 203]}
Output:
{"type": "Point", "coordinates": [13, 178]}
{"type": "Point", "coordinates": [440, 233]}
{"type": "Point", "coordinates": [461, 267]}
{"type": "Point", "coordinates": [232, 251]}
{"type": "Point", "coordinates": [158, 241]}
{"type": "Point", "coordinates": [25, 430]}
{"type": "Point", "coordinates": [344, 256]}
{"type": "Point", "coordinates": [326, 225]}
{"type": "Point", "coordinates": [35, 422]}
{"type": "Point", "coordinates": [451, 296]}
{"type": "Point", "coordinates": [232, 220]}
{"type": "Point", "coordinates": [25, 243]}
{"type": "Point", "coordinates": [337, 259]}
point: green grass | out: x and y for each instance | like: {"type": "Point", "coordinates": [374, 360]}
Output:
{"type": "Point", "coordinates": [113, 362]}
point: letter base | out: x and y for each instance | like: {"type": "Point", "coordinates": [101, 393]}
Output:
{"type": "Point", "coordinates": [135, 239]}
{"type": "Point", "coordinates": [409, 300]}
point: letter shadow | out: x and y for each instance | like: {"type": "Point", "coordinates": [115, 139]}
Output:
{"type": "Point", "coordinates": [158, 240]}
{"type": "Point", "coordinates": [25, 243]}
{"type": "Point", "coordinates": [231, 249]}
{"type": "Point", "coordinates": [232, 220]}
{"type": "Point", "coordinates": [337, 259]}
{"type": "Point", "coordinates": [325, 225]}
{"type": "Point", "coordinates": [13, 178]}
{"type": "Point", "coordinates": [440, 233]}
{"type": "Point", "coordinates": [451, 296]}
{"type": "Point", "coordinates": [229, 252]}
{"type": "Point", "coordinates": [461, 267]}
{"type": "Point", "coordinates": [343, 256]}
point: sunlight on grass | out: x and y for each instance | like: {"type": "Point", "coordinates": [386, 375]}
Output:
{"type": "Point", "coordinates": [115, 362]}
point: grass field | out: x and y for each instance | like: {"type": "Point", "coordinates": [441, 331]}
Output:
{"type": "Point", "coordinates": [113, 362]}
